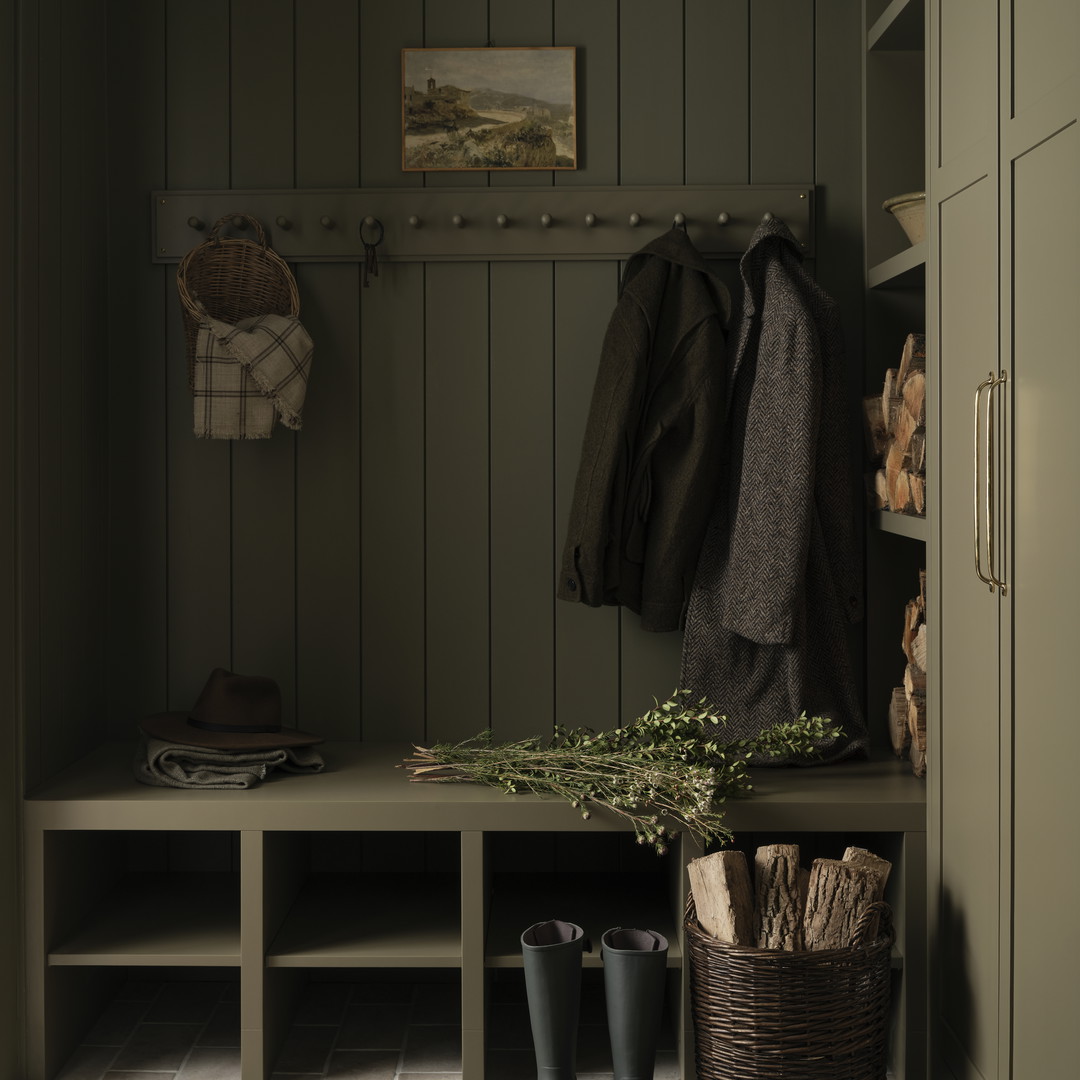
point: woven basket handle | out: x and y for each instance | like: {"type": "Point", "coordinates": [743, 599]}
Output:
{"type": "Point", "coordinates": [874, 922]}
{"type": "Point", "coordinates": [228, 219]}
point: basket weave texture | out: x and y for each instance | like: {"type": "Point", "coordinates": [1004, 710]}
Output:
{"type": "Point", "coordinates": [763, 1014]}
{"type": "Point", "coordinates": [233, 278]}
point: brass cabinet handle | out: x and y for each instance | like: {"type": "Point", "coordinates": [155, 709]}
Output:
{"type": "Point", "coordinates": [995, 384]}
{"type": "Point", "coordinates": [979, 474]}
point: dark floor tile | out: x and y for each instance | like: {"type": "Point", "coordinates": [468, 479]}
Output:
{"type": "Point", "coordinates": [116, 1023]}
{"type": "Point", "coordinates": [323, 1003]}
{"type": "Point", "coordinates": [363, 1065]}
{"type": "Point", "coordinates": [185, 1002]}
{"type": "Point", "coordinates": [87, 1063]}
{"type": "Point", "coordinates": [158, 1046]}
{"type": "Point", "coordinates": [511, 1064]}
{"type": "Point", "coordinates": [437, 1003]}
{"type": "Point", "coordinates": [373, 1027]}
{"type": "Point", "coordinates": [593, 1049]}
{"type": "Point", "coordinates": [223, 1028]}
{"type": "Point", "coordinates": [382, 993]}
{"type": "Point", "coordinates": [432, 1049]}
{"type": "Point", "coordinates": [508, 1026]}
{"type": "Point", "coordinates": [211, 1063]}
{"type": "Point", "coordinates": [306, 1048]}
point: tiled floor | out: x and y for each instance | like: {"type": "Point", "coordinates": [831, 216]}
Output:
{"type": "Point", "coordinates": [341, 1031]}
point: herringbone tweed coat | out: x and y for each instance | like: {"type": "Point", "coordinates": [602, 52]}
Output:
{"type": "Point", "coordinates": [649, 456]}
{"type": "Point", "coordinates": [779, 575]}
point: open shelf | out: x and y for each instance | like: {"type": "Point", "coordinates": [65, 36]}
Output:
{"type": "Point", "coordinates": [905, 270]}
{"type": "Point", "coordinates": [372, 920]}
{"type": "Point", "coordinates": [159, 919]}
{"type": "Point", "coordinates": [900, 27]}
{"type": "Point", "coordinates": [596, 902]}
{"type": "Point", "coordinates": [900, 524]}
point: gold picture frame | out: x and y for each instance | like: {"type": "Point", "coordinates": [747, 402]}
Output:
{"type": "Point", "coordinates": [493, 108]}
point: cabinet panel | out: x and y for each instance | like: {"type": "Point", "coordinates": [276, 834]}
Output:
{"type": "Point", "coordinates": [1045, 598]}
{"type": "Point", "coordinates": [967, 75]}
{"type": "Point", "coordinates": [1045, 34]}
{"type": "Point", "coordinates": [969, 709]}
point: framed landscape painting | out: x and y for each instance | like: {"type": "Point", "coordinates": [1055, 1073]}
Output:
{"type": "Point", "coordinates": [490, 108]}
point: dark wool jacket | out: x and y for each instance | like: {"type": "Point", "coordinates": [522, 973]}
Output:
{"type": "Point", "coordinates": [780, 576]}
{"type": "Point", "coordinates": [649, 456]}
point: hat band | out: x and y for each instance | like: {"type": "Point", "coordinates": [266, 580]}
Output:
{"type": "Point", "coordinates": [238, 729]}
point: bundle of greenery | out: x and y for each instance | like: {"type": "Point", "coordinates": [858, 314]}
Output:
{"type": "Point", "coordinates": [670, 769]}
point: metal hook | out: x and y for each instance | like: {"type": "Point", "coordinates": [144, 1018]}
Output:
{"type": "Point", "coordinates": [371, 223]}
{"type": "Point", "coordinates": [283, 222]}
{"type": "Point", "coordinates": [545, 221]}
{"type": "Point", "coordinates": [196, 223]}
{"type": "Point", "coordinates": [458, 220]}
{"type": "Point", "coordinates": [723, 217]}
{"type": "Point", "coordinates": [326, 221]}
{"type": "Point", "coordinates": [635, 220]}
{"type": "Point", "coordinates": [502, 221]}
{"type": "Point", "coordinates": [590, 220]}
{"type": "Point", "coordinates": [766, 217]}
{"type": "Point", "coordinates": [680, 221]}
{"type": "Point", "coordinates": [414, 221]}
{"type": "Point", "coordinates": [239, 222]}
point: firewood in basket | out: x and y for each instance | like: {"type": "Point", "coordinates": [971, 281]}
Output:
{"type": "Point", "coordinates": [882, 867]}
{"type": "Point", "coordinates": [723, 896]}
{"type": "Point", "coordinates": [776, 885]}
{"type": "Point", "coordinates": [838, 892]}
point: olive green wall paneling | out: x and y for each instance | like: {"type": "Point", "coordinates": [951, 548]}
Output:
{"type": "Point", "coordinates": [139, 295]}
{"type": "Point", "coordinates": [651, 136]}
{"type": "Point", "coordinates": [522, 499]}
{"type": "Point", "coordinates": [717, 91]}
{"type": "Point", "coordinates": [328, 448]}
{"type": "Point", "coordinates": [586, 639]}
{"type": "Point", "coordinates": [198, 526]}
{"type": "Point", "coordinates": [512, 23]}
{"type": "Point", "coordinates": [82, 432]}
{"type": "Point", "coordinates": [263, 561]}
{"type": "Point", "coordinates": [385, 29]}
{"type": "Point", "coordinates": [968, 86]}
{"type": "Point", "coordinates": [461, 24]}
{"type": "Point", "coordinates": [593, 28]}
{"type": "Point", "coordinates": [1045, 33]}
{"type": "Point", "coordinates": [456, 500]}
{"type": "Point", "coordinates": [781, 91]}
{"type": "Point", "coordinates": [392, 639]}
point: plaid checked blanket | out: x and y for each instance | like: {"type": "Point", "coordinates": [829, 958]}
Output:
{"type": "Point", "coordinates": [249, 373]}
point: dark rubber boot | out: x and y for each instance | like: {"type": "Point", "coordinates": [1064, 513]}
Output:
{"type": "Point", "coordinates": [551, 952]}
{"type": "Point", "coordinates": [635, 970]}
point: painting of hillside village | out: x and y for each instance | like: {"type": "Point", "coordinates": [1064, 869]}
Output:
{"type": "Point", "coordinates": [491, 108]}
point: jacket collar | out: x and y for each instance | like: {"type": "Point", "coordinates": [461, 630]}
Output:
{"type": "Point", "coordinates": [676, 247]}
{"type": "Point", "coordinates": [772, 241]}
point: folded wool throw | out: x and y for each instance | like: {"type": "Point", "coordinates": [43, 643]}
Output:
{"type": "Point", "coordinates": [165, 764]}
{"type": "Point", "coordinates": [247, 374]}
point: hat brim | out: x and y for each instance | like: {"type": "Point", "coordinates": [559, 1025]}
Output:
{"type": "Point", "coordinates": [176, 727]}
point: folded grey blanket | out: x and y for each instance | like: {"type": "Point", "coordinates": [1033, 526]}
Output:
{"type": "Point", "coordinates": [165, 764]}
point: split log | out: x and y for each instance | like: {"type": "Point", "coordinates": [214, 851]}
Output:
{"type": "Point", "coordinates": [776, 881]}
{"type": "Point", "coordinates": [882, 867]}
{"type": "Point", "coordinates": [912, 356]}
{"type": "Point", "coordinates": [922, 591]}
{"type": "Point", "coordinates": [877, 436]}
{"type": "Point", "coordinates": [917, 451]}
{"type": "Point", "coordinates": [838, 892]}
{"type": "Point", "coordinates": [914, 679]}
{"type": "Point", "coordinates": [913, 619]}
{"type": "Point", "coordinates": [917, 719]}
{"type": "Point", "coordinates": [720, 884]}
{"type": "Point", "coordinates": [890, 399]}
{"type": "Point", "coordinates": [918, 648]}
{"type": "Point", "coordinates": [881, 490]}
{"type": "Point", "coordinates": [903, 431]}
{"type": "Point", "coordinates": [894, 465]}
{"type": "Point", "coordinates": [913, 391]}
{"type": "Point", "coordinates": [918, 761]}
{"type": "Point", "coordinates": [899, 732]}
{"type": "Point", "coordinates": [917, 485]}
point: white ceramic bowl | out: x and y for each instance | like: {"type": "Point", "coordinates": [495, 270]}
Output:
{"type": "Point", "coordinates": [910, 211]}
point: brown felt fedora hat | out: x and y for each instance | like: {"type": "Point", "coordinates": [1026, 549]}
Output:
{"type": "Point", "coordinates": [233, 712]}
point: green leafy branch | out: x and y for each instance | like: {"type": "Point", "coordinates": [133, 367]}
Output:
{"type": "Point", "coordinates": [670, 769]}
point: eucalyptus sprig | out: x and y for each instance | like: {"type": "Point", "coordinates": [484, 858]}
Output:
{"type": "Point", "coordinates": [669, 769]}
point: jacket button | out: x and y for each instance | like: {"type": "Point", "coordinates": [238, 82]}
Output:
{"type": "Point", "coordinates": [571, 584]}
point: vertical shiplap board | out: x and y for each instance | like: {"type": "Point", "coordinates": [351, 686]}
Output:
{"type": "Point", "coordinates": [781, 91]}
{"type": "Point", "coordinates": [76, 428]}
{"type": "Point", "coordinates": [328, 448]}
{"type": "Point", "coordinates": [392, 640]}
{"type": "Point", "coordinates": [136, 660]}
{"type": "Point", "coordinates": [594, 29]}
{"type": "Point", "coordinates": [385, 29]}
{"type": "Point", "coordinates": [198, 483]}
{"type": "Point", "coordinates": [586, 639]}
{"type": "Point", "coordinates": [512, 23]}
{"type": "Point", "coordinates": [651, 92]}
{"type": "Point", "coordinates": [264, 471]}
{"type": "Point", "coordinates": [461, 24]}
{"type": "Point", "coordinates": [522, 499]}
{"type": "Point", "coordinates": [649, 665]}
{"type": "Point", "coordinates": [718, 91]}
{"type": "Point", "coordinates": [456, 497]}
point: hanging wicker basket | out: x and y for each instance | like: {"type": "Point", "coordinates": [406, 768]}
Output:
{"type": "Point", "coordinates": [763, 1014]}
{"type": "Point", "coordinates": [233, 278]}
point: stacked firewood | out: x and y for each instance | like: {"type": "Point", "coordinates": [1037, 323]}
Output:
{"type": "Point", "coordinates": [895, 425]}
{"type": "Point", "coordinates": [907, 709]}
{"type": "Point", "coordinates": [785, 906]}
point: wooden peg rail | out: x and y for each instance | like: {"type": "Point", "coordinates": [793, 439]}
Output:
{"type": "Point", "coordinates": [485, 223]}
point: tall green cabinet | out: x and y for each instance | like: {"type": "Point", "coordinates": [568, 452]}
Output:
{"type": "Point", "coordinates": [1004, 272]}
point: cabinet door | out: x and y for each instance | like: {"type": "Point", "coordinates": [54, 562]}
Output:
{"type": "Point", "coordinates": [1041, 270]}
{"type": "Point", "coordinates": [963, 759]}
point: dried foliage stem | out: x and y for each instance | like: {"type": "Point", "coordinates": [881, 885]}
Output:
{"type": "Point", "coordinates": [668, 770]}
